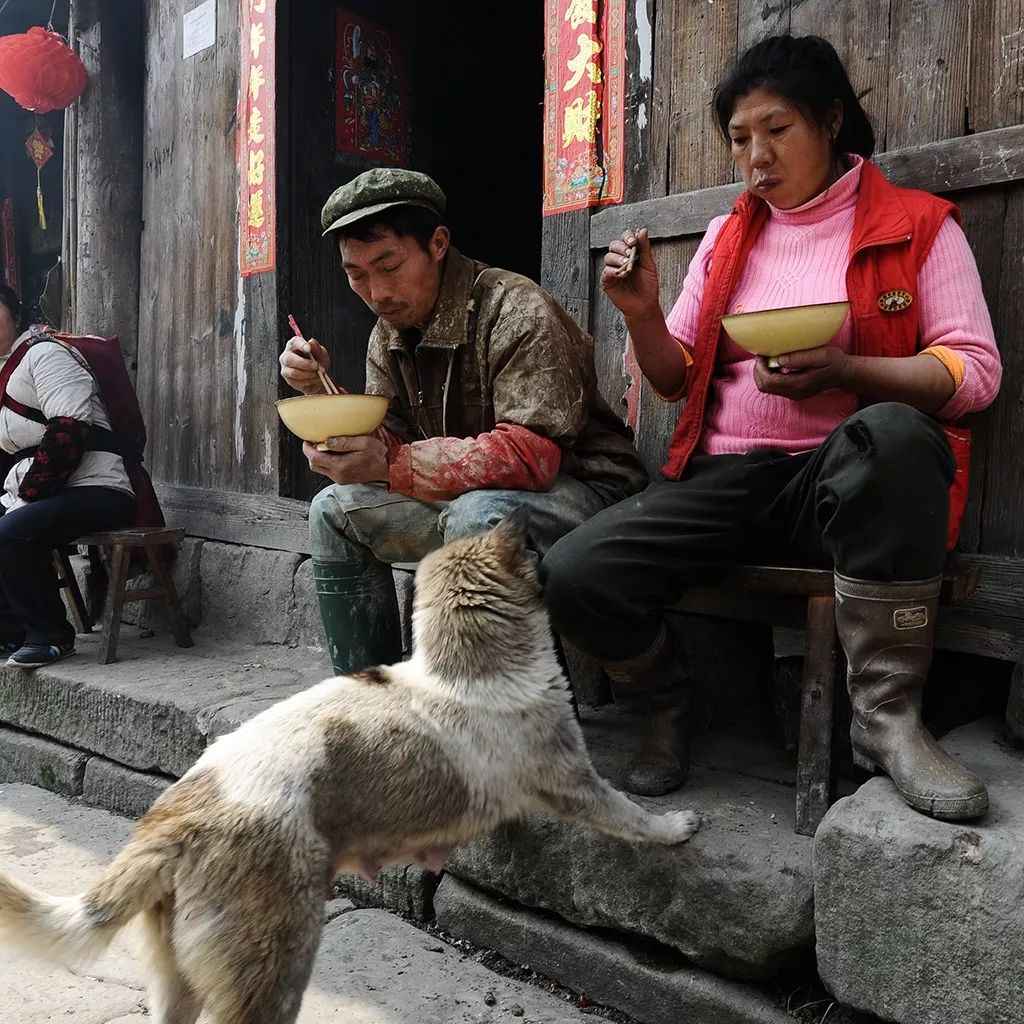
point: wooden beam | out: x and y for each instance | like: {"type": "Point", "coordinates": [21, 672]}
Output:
{"type": "Point", "coordinates": [263, 521]}
{"type": "Point", "coordinates": [952, 165]}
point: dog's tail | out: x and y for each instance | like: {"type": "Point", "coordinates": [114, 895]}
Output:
{"type": "Point", "coordinates": [77, 929]}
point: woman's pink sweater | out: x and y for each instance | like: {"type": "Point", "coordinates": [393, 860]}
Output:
{"type": "Point", "coordinates": [801, 257]}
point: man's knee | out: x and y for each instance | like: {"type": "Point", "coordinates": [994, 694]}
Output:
{"type": "Point", "coordinates": [477, 511]}
{"type": "Point", "coordinates": [328, 519]}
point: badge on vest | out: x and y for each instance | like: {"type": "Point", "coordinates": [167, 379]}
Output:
{"type": "Point", "coordinates": [894, 301]}
{"type": "Point", "coordinates": [910, 618]}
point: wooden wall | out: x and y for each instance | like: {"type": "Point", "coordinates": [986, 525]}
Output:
{"type": "Point", "coordinates": [930, 72]}
{"type": "Point", "coordinates": [207, 362]}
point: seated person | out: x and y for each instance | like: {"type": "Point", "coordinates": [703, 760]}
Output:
{"type": "Point", "coordinates": [494, 405]}
{"type": "Point", "coordinates": [56, 486]}
{"type": "Point", "coordinates": [839, 461]}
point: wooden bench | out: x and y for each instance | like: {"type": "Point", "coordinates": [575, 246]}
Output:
{"type": "Point", "coordinates": [115, 548]}
{"type": "Point", "coordinates": [804, 598]}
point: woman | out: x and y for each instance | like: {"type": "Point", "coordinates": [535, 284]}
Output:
{"type": "Point", "coordinates": [838, 460]}
{"type": "Point", "coordinates": [57, 485]}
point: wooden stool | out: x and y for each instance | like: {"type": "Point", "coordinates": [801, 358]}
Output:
{"type": "Point", "coordinates": [117, 545]}
{"type": "Point", "coordinates": [69, 584]}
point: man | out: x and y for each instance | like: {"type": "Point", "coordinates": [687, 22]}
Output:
{"type": "Point", "coordinates": [494, 405]}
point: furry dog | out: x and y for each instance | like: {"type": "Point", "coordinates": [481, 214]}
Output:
{"type": "Point", "coordinates": [231, 867]}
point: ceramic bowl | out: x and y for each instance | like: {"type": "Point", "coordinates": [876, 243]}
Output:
{"type": "Point", "coordinates": [318, 417]}
{"type": "Point", "coordinates": [773, 332]}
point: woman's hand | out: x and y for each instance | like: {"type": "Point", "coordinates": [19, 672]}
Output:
{"type": "Point", "coordinates": [300, 361]}
{"type": "Point", "coordinates": [803, 374]}
{"type": "Point", "coordinates": [636, 293]}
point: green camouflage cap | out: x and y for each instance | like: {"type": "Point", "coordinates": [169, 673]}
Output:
{"type": "Point", "coordinates": [377, 190]}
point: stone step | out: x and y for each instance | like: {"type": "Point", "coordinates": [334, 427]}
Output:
{"type": "Point", "coordinates": [156, 708]}
{"type": "Point", "coordinates": [654, 989]}
{"type": "Point", "coordinates": [736, 899]}
{"type": "Point", "coordinates": [922, 921]}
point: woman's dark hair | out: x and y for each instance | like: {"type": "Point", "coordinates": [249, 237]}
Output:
{"type": "Point", "coordinates": [410, 221]}
{"type": "Point", "coordinates": [808, 73]}
{"type": "Point", "coordinates": [9, 298]}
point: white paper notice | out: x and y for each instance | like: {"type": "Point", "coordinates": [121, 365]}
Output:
{"type": "Point", "coordinates": [199, 29]}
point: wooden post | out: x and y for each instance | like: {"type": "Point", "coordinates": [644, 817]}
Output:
{"type": "Point", "coordinates": [103, 173]}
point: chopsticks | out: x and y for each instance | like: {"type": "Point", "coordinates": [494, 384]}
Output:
{"type": "Point", "coordinates": [325, 378]}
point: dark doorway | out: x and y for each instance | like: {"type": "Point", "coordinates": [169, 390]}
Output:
{"type": "Point", "coordinates": [475, 81]}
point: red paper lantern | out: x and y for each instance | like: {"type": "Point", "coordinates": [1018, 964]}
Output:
{"type": "Point", "coordinates": [40, 70]}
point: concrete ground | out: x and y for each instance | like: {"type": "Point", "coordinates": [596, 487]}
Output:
{"type": "Point", "coordinates": [373, 968]}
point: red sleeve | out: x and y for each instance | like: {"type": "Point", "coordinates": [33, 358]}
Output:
{"type": "Point", "coordinates": [442, 468]}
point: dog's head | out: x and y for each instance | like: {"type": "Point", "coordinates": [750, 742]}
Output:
{"type": "Point", "coordinates": [479, 596]}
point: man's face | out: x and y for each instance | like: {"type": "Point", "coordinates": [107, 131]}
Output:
{"type": "Point", "coordinates": [395, 276]}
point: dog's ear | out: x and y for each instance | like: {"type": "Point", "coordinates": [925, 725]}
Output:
{"type": "Point", "coordinates": [514, 530]}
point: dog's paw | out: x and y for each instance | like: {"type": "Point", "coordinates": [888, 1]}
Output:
{"type": "Point", "coordinates": [676, 827]}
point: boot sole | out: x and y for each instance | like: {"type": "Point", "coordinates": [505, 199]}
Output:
{"type": "Point", "coordinates": [943, 810]}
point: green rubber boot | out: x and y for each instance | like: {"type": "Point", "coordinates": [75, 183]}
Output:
{"type": "Point", "coordinates": [359, 610]}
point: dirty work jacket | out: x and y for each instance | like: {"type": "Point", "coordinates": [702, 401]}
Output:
{"type": "Point", "coordinates": [500, 391]}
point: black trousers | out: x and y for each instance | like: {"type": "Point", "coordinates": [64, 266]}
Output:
{"type": "Point", "coordinates": [31, 609]}
{"type": "Point", "coordinates": [872, 502]}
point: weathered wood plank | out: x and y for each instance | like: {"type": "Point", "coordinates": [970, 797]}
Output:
{"type": "Point", "coordinates": [860, 33]}
{"type": "Point", "coordinates": [758, 19]}
{"type": "Point", "coordinates": [1002, 528]}
{"type": "Point", "coordinates": [703, 41]}
{"type": "Point", "coordinates": [983, 214]}
{"type": "Point", "coordinates": [645, 110]}
{"type": "Point", "coordinates": [928, 58]}
{"type": "Point", "coordinates": [996, 85]}
{"type": "Point", "coordinates": [968, 162]}
{"type": "Point", "coordinates": [264, 521]}
{"type": "Point", "coordinates": [565, 263]}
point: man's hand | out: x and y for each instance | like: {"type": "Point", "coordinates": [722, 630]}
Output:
{"type": "Point", "coordinates": [803, 374]}
{"type": "Point", "coordinates": [300, 361]}
{"type": "Point", "coordinates": [635, 293]}
{"type": "Point", "coordinates": [351, 460]}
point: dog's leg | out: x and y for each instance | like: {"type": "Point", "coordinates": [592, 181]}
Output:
{"type": "Point", "coordinates": [590, 800]}
{"type": "Point", "coordinates": [171, 999]}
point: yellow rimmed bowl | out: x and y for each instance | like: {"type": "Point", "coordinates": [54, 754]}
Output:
{"type": "Point", "coordinates": [776, 332]}
{"type": "Point", "coordinates": [317, 417]}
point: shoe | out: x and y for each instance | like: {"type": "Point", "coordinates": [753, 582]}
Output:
{"type": "Point", "coordinates": [887, 631]}
{"type": "Point", "coordinates": [39, 655]}
{"type": "Point", "coordinates": [656, 679]}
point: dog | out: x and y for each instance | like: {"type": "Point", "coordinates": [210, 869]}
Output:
{"type": "Point", "coordinates": [231, 867]}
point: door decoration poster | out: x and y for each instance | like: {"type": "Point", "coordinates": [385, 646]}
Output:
{"type": "Point", "coordinates": [371, 105]}
{"type": "Point", "coordinates": [257, 203]}
{"type": "Point", "coordinates": [584, 97]}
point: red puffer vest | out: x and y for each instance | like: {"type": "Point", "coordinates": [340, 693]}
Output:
{"type": "Point", "coordinates": [893, 232]}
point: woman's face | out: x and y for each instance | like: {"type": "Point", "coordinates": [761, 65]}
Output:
{"type": "Point", "coordinates": [8, 330]}
{"type": "Point", "coordinates": [783, 157]}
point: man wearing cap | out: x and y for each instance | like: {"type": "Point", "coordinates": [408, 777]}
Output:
{"type": "Point", "coordinates": [493, 406]}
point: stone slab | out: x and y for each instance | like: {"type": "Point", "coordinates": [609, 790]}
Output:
{"type": "Point", "coordinates": [40, 762]}
{"type": "Point", "coordinates": [247, 592]}
{"type": "Point", "coordinates": [921, 921]}
{"type": "Point", "coordinates": [653, 989]}
{"type": "Point", "coordinates": [405, 889]}
{"type": "Point", "coordinates": [372, 967]}
{"type": "Point", "coordinates": [736, 899]}
{"type": "Point", "coordinates": [121, 790]}
{"type": "Point", "coordinates": [156, 706]}
{"type": "Point", "coordinates": [304, 626]}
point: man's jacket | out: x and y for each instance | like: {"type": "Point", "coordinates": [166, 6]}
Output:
{"type": "Point", "coordinates": [499, 391]}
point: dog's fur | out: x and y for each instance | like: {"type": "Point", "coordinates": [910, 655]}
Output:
{"type": "Point", "coordinates": [231, 867]}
